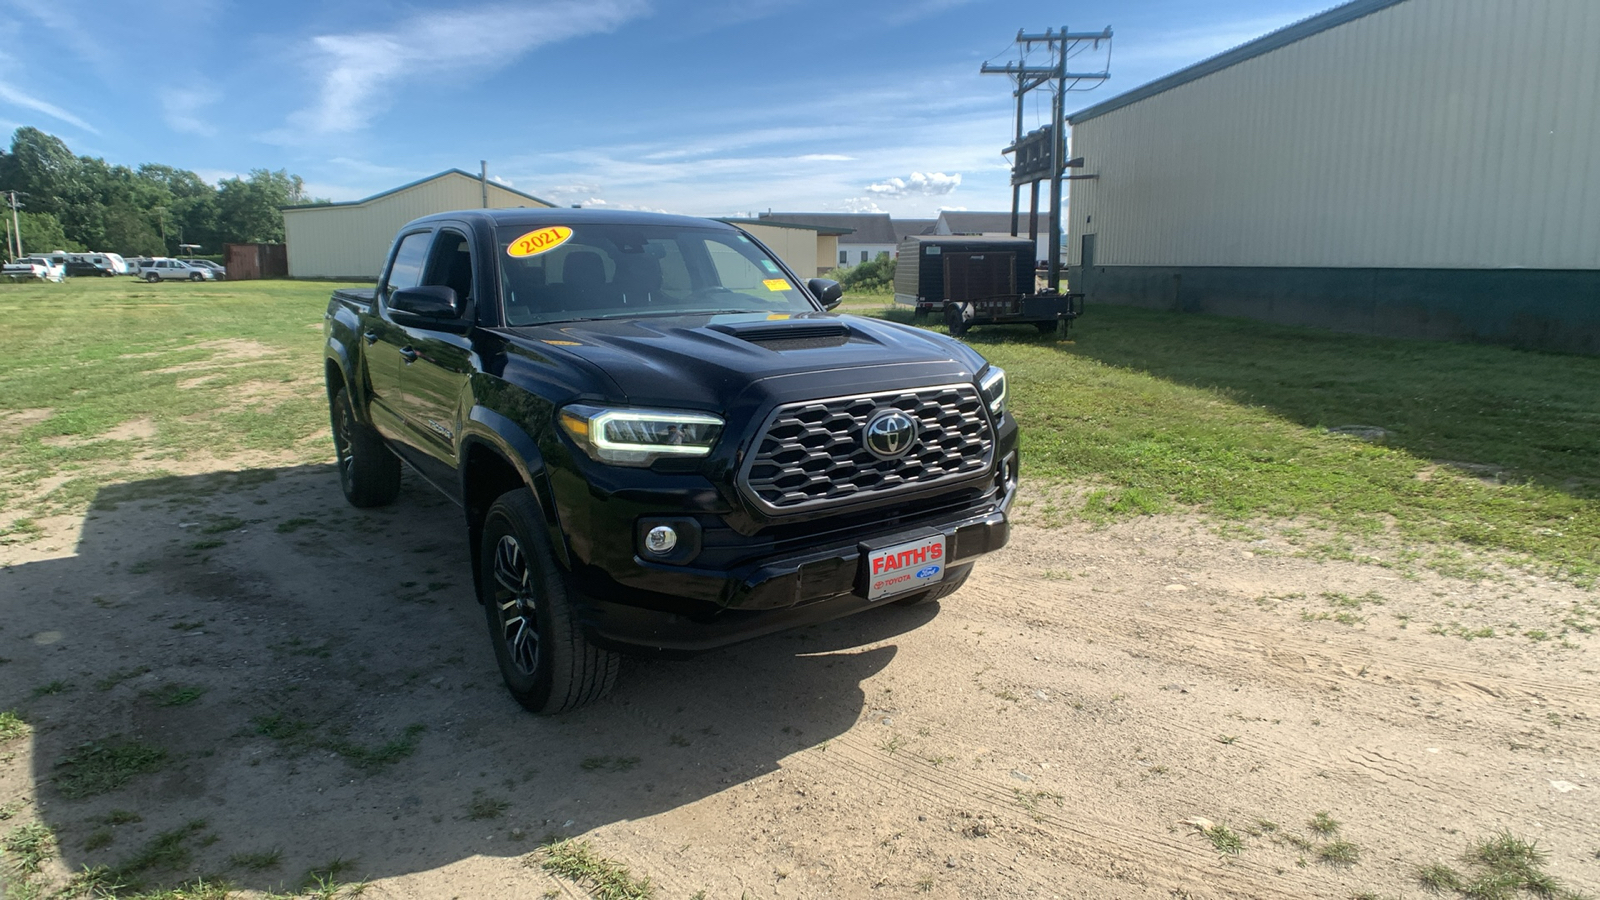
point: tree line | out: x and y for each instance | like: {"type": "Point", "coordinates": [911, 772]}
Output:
{"type": "Point", "coordinates": [79, 203]}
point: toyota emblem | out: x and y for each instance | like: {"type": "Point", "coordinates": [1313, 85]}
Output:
{"type": "Point", "coordinates": [889, 434]}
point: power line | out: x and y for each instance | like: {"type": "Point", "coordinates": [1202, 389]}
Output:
{"type": "Point", "coordinates": [1042, 153]}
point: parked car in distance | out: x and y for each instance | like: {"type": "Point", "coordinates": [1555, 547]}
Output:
{"type": "Point", "coordinates": [77, 267]}
{"type": "Point", "coordinates": [38, 267]}
{"type": "Point", "coordinates": [218, 270]}
{"type": "Point", "coordinates": [163, 269]}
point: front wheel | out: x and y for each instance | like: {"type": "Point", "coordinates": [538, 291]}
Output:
{"type": "Point", "coordinates": [547, 663]}
{"type": "Point", "coordinates": [197, 277]}
{"type": "Point", "coordinates": [369, 474]}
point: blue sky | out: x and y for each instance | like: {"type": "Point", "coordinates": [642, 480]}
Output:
{"type": "Point", "coordinates": [711, 107]}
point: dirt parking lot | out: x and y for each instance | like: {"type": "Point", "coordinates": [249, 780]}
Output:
{"type": "Point", "coordinates": [235, 675]}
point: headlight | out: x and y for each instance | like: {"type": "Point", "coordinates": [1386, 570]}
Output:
{"type": "Point", "coordinates": [638, 437]}
{"type": "Point", "coordinates": [993, 384]}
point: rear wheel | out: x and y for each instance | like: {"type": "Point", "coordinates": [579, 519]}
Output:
{"type": "Point", "coordinates": [1045, 327]}
{"type": "Point", "coordinates": [151, 277]}
{"type": "Point", "coordinates": [955, 320]}
{"type": "Point", "coordinates": [953, 580]}
{"type": "Point", "coordinates": [369, 474]}
{"type": "Point", "coordinates": [547, 663]}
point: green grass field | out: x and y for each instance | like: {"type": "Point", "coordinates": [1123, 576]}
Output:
{"type": "Point", "coordinates": [1152, 412]}
{"type": "Point", "coordinates": [1140, 412]}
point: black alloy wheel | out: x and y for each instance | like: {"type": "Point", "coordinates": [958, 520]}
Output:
{"type": "Point", "coordinates": [547, 662]}
{"type": "Point", "coordinates": [517, 605]}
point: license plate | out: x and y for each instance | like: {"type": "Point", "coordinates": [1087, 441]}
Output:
{"type": "Point", "coordinates": [905, 567]}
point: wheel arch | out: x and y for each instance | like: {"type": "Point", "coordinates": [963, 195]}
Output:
{"type": "Point", "coordinates": [496, 456]}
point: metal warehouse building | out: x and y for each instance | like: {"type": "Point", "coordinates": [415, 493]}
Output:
{"type": "Point", "coordinates": [1424, 168]}
{"type": "Point", "coordinates": [351, 240]}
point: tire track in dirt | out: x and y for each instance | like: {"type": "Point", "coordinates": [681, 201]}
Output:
{"type": "Point", "coordinates": [1103, 848]}
{"type": "Point", "coordinates": [1103, 845]}
{"type": "Point", "coordinates": [1327, 656]}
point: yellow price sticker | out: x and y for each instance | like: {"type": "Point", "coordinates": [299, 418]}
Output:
{"type": "Point", "coordinates": [777, 284]}
{"type": "Point", "coordinates": [536, 242]}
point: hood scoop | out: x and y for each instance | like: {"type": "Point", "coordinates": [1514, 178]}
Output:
{"type": "Point", "coordinates": [789, 334]}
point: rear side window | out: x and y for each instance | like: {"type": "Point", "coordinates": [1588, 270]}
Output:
{"type": "Point", "coordinates": [406, 271]}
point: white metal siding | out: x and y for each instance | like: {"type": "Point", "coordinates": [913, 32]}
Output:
{"type": "Point", "coordinates": [1432, 134]}
{"type": "Point", "coordinates": [353, 241]}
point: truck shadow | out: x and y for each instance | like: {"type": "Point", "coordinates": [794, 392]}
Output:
{"type": "Point", "coordinates": [1499, 414]}
{"type": "Point", "coordinates": [239, 676]}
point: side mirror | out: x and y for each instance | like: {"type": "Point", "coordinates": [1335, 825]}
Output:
{"type": "Point", "coordinates": [827, 292]}
{"type": "Point", "coordinates": [430, 306]}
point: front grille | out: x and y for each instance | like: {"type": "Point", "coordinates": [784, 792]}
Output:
{"type": "Point", "coordinates": [811, 454]}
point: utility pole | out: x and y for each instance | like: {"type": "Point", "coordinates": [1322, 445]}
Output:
{"type": "Point", "coordinates": [1042, 154]}
{"type": "Point", "coordinates": [483, 180]}
{"type": "Point", "coordinates": [16, 225]}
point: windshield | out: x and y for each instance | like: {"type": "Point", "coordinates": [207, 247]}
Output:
{"type": "Point", "coordinates": [560, 273]}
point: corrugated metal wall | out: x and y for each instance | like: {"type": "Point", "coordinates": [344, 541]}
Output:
{"type": "Point", "coordinates": [353, 241]}
{"type": "Point", "coordinates": [1432, 134]}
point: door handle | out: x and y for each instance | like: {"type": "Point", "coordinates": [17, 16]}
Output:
{"type": "Point", "coordinates": [371, 336]}
{"type": "Point", "coordinates": [409, 355]}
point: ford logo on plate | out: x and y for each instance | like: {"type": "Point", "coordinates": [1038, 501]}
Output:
{"type": "Point", "coordinates": [889, 434]}
{"type": "Point", "coordinates": [928, 572]}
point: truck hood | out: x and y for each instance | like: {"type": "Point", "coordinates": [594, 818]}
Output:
{"type": "Point", "coordinates": [710, 361]}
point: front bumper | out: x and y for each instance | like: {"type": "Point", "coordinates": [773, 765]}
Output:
{"type": "Point", "coordinates": [782, 592]}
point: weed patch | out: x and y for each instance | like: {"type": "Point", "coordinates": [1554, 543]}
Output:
{"type": "Point", "coordinates": [30, 846]}
{"type": "Point", "coordinates": [300, 735]}
{"type": "Point", "coordinates": [12, 726]}
{"type": "Point", "coordinates": [604, 879]}
{"type": "Point", "coordinates": [1499, 867]}
{"type": "Point", "coordinates": [175, 694]}
{"type": "Point", "coordinates": [98, 767]}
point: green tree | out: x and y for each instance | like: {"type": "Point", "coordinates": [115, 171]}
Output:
{"type": "Point", "coordinates": [42, 233]}
{"type": "Point", "coordinates": [248, 208]}
{"type": "Point", "coordinates": [128, 231]}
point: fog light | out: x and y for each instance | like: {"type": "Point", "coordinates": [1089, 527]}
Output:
{"type": "Point", "coordinates": [660, 540]}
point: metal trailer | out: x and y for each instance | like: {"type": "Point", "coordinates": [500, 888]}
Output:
{"type": "Point", "coordinates": [978, 280]}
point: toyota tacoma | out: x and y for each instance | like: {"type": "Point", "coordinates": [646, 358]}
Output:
{"type": "Point", "coordinates": [662, 438]}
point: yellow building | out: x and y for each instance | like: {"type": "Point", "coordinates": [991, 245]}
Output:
{"type": "Point", "coordinates": [351, 240]}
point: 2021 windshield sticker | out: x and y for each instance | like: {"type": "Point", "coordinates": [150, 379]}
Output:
{"type": "Point", "coordinates": [539, 241]}
{"type": "Point", "coordinates": [777, 284]}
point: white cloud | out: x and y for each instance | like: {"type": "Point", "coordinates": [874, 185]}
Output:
{"type": "Point", "coordinates": [952, 209]}
{"type": "Point", "coordinates": [16, 97]}
{"type": "Point", "coordinates": [931, 184]}
{"type": "Point", "coordinates": [505, 181]}
{"type": "Point", "coordinates": [184, 109]}
{"type": "Point", "coordinates": [359, 71]}
{"type": "Point", "coordinates": [862, 205]}
{"type": "Point", "coordinates": [825, 157]}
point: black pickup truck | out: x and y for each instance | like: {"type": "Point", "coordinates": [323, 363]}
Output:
{"type": "Point", "coordinates": [662, 439]}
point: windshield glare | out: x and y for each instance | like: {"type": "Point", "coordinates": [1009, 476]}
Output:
{"type": "Point", "coordinates": [615, 271]}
